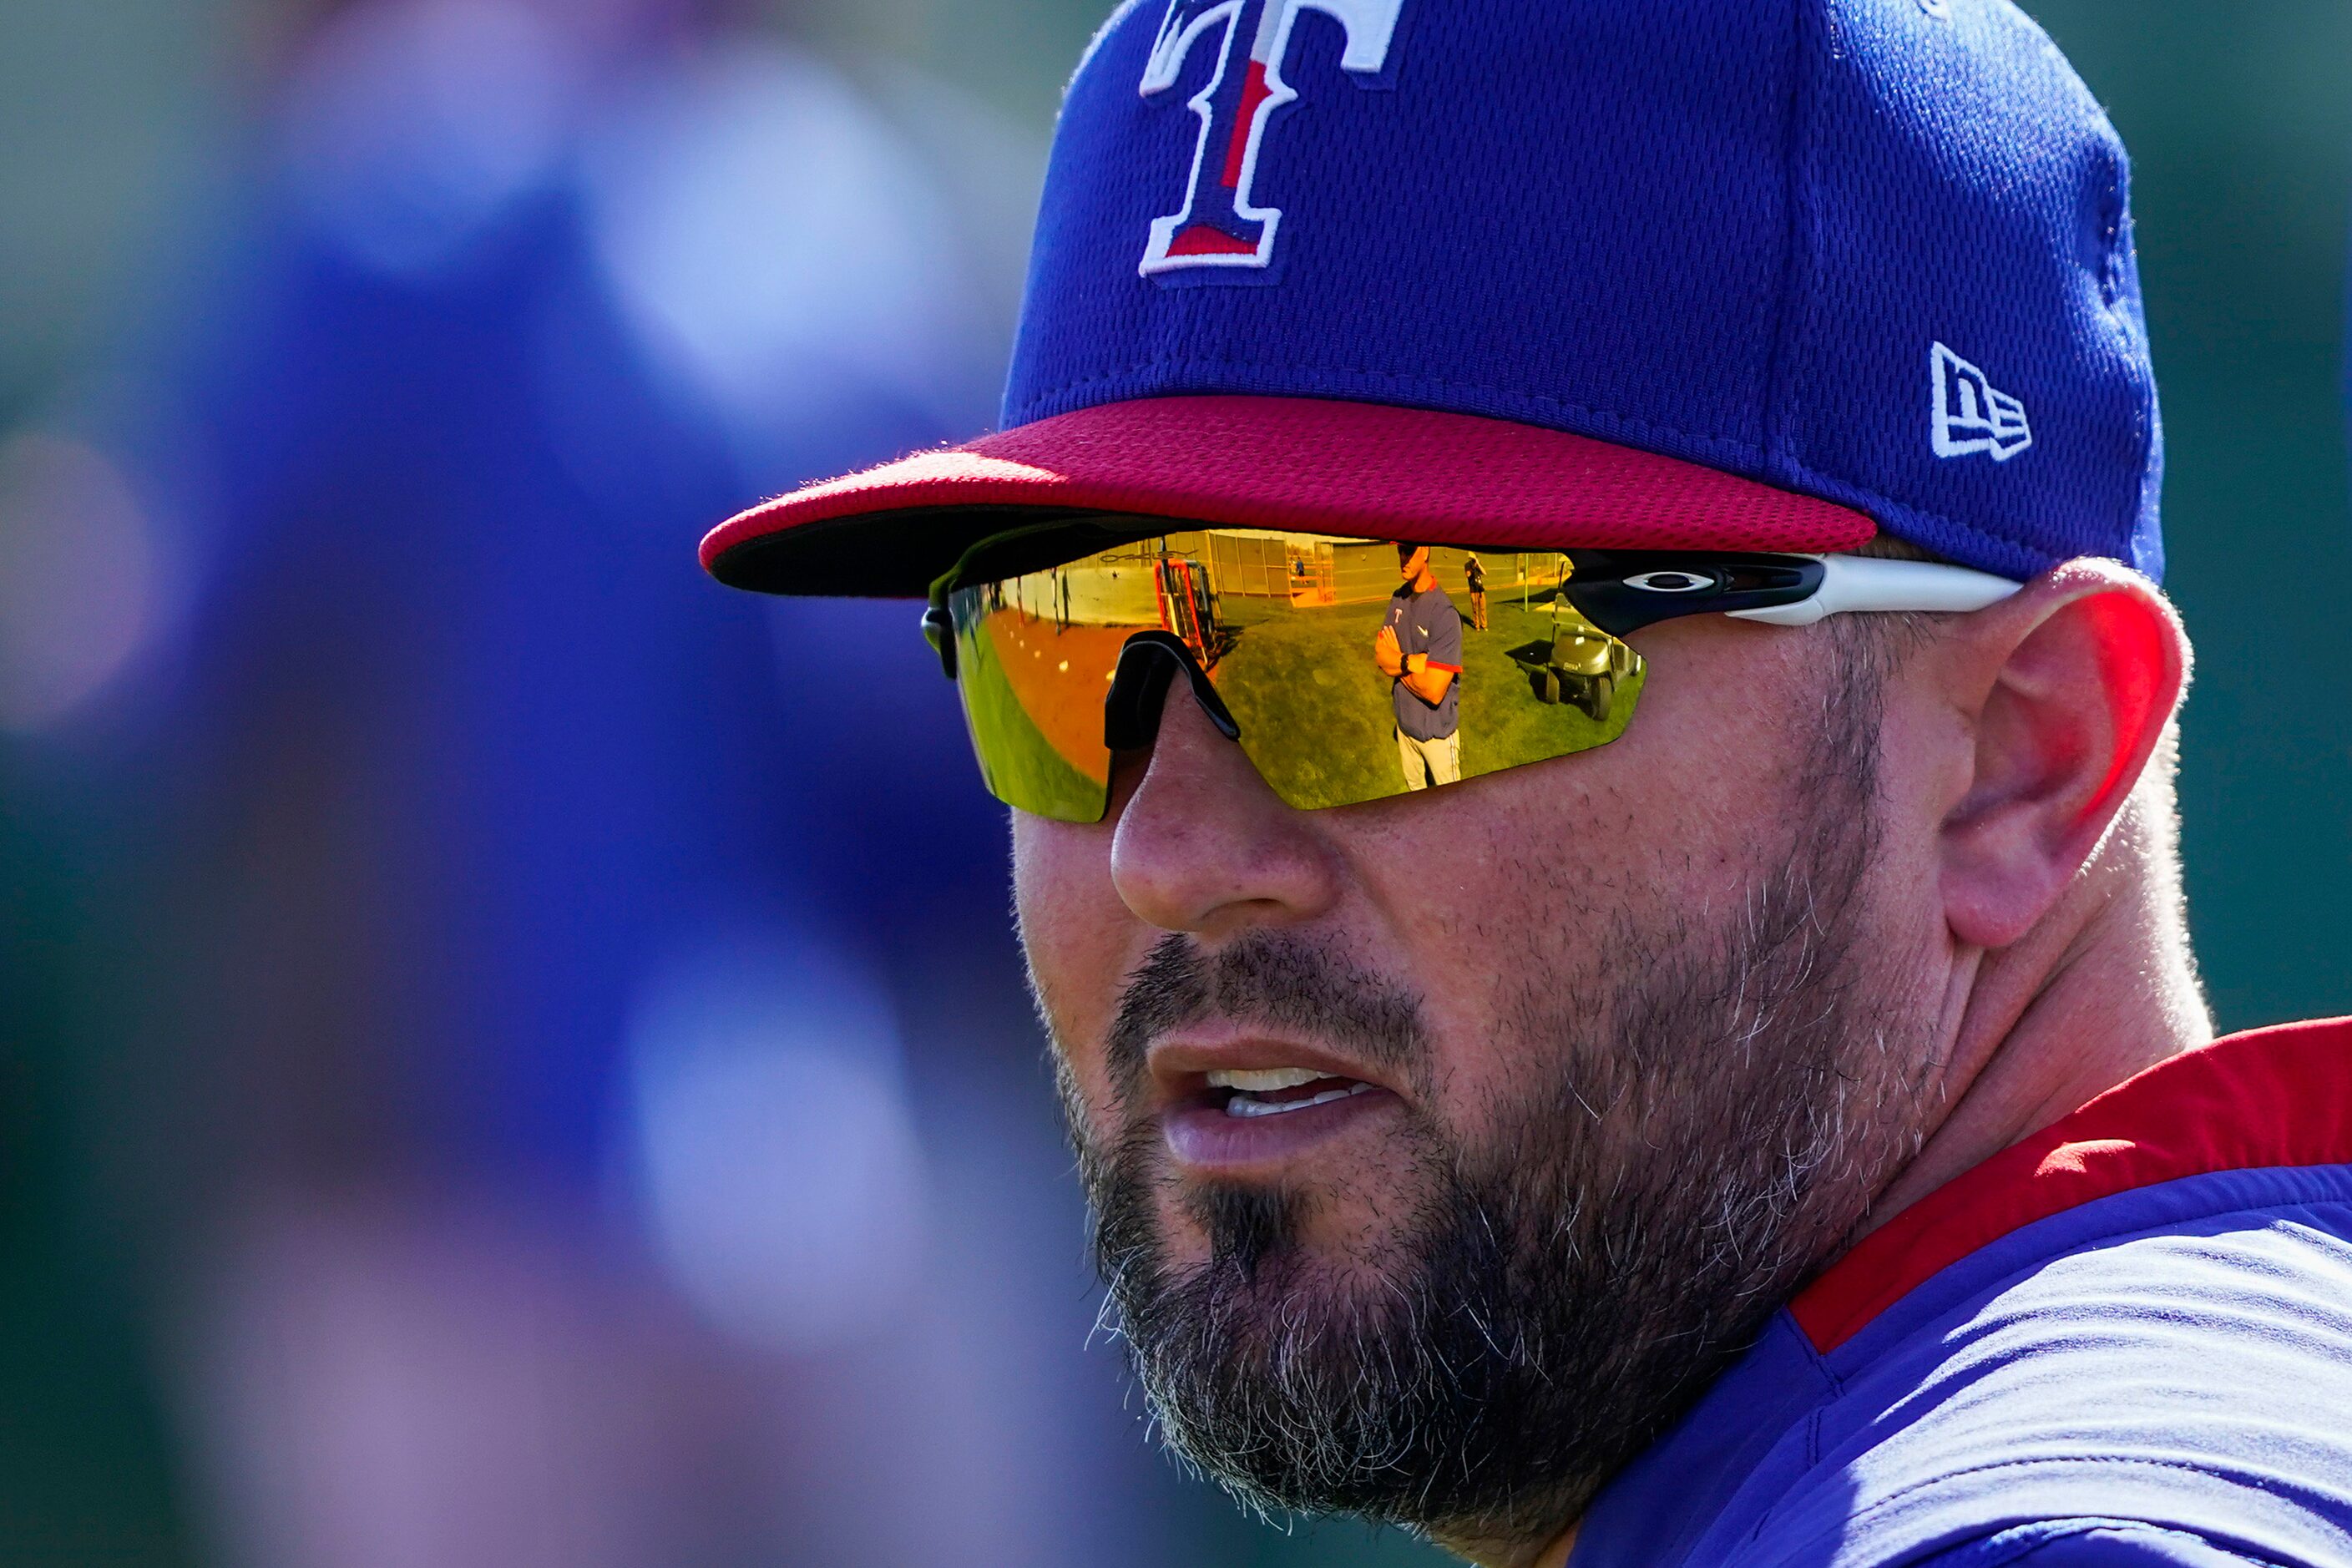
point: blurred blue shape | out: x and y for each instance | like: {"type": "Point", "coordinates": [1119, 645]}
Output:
{"type": "Point", "coordinates": [786, 260]}
{"type": "Point", "coordinates": [776, 1156]}
{"type": "Point", "coordinates": [462, 414]}
{"type": "Point", "coordinates": [410, 129]}
{"type": "Point", "coordinates": [525, 864]}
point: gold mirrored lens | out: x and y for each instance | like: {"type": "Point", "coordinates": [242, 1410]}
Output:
{"type": "Point", "coordinates": [1352, 675]}
{"type": "Point", "coordinates": [1033, 682]}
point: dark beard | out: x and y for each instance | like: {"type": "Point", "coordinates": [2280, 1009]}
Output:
{"type": "Point", "coordinates": [1707, 1109]}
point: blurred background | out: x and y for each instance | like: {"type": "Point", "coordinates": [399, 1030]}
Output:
{"type": "Point", "coordinates": [490, 1071]}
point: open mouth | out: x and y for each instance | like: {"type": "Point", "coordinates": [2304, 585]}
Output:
{"type": "Point", "coordinates": [1277, 1091]}
{"type": "Point", "coordinates": [1243, 1107]}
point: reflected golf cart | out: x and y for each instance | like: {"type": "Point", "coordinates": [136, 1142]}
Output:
{"type": "Point", "coordinates": [1578, 664]}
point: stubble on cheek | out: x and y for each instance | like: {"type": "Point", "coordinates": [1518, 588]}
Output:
{"type": "Point", "coordinates": [1072, 928]}
{"type": "Point", "coordinates": [1090, 1116]}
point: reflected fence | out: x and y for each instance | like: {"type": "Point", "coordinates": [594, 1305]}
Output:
{"type": "Point", "coordinates": [1192, 584]}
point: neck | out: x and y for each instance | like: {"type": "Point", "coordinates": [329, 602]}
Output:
{"type": "Point", "coordinates": [2102, 990]}
{"type": "Point", "coordinates": [1425, 582]}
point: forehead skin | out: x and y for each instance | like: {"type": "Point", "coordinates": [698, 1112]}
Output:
{"type": "Point", "coordinates": [1451, 892]}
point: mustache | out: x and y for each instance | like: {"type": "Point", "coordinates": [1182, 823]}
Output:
{"type": "Point", "coordinates": [1279, 981]}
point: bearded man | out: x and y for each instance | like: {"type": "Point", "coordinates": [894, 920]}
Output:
{"type": "Point", "coordinates": [1765, 1111]}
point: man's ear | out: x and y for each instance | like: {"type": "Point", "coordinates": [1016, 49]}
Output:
{"type": "Point", "coordinates": [2067, 688]}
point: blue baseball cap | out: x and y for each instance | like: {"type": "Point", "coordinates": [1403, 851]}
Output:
{"type": "Point", "coordinates": [1657, 274]}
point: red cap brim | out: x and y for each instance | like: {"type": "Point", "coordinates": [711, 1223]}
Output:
{"type": "Point", "coordinates": [1299, 465]}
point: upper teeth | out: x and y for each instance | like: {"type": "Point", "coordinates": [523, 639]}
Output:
{"type": "Point", "coordinates": [1264, 1081]}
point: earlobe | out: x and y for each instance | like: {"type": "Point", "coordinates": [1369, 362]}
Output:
{"type": "Point", "coordinates": [2067, 689]}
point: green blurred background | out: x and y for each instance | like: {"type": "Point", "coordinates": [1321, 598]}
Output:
{"type": "Point", "coordinates": [115, 118]}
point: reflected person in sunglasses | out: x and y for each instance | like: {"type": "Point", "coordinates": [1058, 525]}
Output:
{"type": "Point", "coordinates": [1779, 1127]}
{"type": "Point", "coordinates": [1419, 647]}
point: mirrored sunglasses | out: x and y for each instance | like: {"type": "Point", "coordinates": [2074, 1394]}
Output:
{"type": "Point", "coordinates": [1347, 669]}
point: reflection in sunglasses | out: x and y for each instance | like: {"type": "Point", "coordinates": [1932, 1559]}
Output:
{"type": "Point", "coordinates": [1349, 682]}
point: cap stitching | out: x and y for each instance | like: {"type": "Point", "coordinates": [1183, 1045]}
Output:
{"type": "Point", "coordinates": [1802, 369]}
{"type": "Point", "coordinates": [1781, 368]}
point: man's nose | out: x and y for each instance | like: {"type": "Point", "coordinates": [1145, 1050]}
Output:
{"type": "Point", "coordinates": [1203, 845]}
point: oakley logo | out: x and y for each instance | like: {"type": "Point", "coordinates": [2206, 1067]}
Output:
{"type": "Point", "coordinates": [1669, 582]}
{"type": "Point", "coordinates": [1968, 415]}
{"type": "Point", "coordinates": [1219, 227]}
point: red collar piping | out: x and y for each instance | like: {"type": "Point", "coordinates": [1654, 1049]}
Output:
{"type": "Point", "coordinates": [2271, 1097]}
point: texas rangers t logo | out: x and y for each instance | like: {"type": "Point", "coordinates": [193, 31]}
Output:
{"type": "Point", "coordinates": [1218, 227]}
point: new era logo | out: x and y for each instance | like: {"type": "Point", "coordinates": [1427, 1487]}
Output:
{"type": "Point", "coordinates": [1968, 415]}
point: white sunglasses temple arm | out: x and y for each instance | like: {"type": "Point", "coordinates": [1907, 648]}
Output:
{"type": "Point", "coordinates": [1860, 583]}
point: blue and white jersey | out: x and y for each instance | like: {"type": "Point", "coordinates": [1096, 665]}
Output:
{"type": "Point", "coordinates": [2126, 1341]}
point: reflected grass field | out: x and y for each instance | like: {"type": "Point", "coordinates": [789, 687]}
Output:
{"type": "Point", "coordinates": [1278, 679]}
{"type": "Point", "coordinates": [1024, 768]}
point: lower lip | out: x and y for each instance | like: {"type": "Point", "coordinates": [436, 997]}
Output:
{"type": "Point", "coordinates": [1203, 1137]}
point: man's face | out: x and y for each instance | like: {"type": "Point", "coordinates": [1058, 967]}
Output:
{"type": "Point", "coordinates": [1409, 561]}
{"type": "Point", "coordinates": [1603, 1054]}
